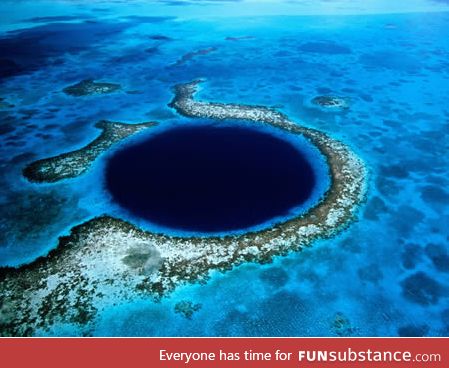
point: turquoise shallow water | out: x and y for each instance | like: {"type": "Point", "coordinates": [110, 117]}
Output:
{"type": "Point", "coordinates": [386, 275]}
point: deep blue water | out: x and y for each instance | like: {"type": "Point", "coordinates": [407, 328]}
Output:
{"type": "Point", "coordinates": [388, 273]}
{"type": "Point", "coordinates": [210, 178]}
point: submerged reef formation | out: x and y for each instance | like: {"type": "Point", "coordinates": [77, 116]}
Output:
{"type": "Point", "coordinates": [331, 102]}
{"type": "Point", "coordinates": [106, 260]}
{"type": "Point", "coordinates": [239, 38]}
{"type": "Point", "coordinates": [5, 104]}
{"type": "Point", "coordinates": [89, 87]}
{"type": "Point", "coordinates": [190, 55]}
{"type": "Point", "coordinates": [74, 163]}
{"type": "Point", "coordinates": [341, 326]}
{"type": "Point", "coordinates": [187, 308]}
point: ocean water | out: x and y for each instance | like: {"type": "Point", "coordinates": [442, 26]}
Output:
{"type": "Point", "coordinates": [386, 275]}
{"type": "Point", "coordinates": [211, 178]}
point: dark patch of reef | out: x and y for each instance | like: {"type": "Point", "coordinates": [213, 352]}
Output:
{"type": "Point", "coordinates": [89, 87]}
{"type": "Point", "coordinates": [331, 102]}
{"type": "Point", "coordinates": [5, 104]}
{"type": "Point", "coordinates": [190, 55]}
{"type": "Point", "coordinates": [187, 308]}
{"type": "Point", "coordinates": [341, 325]}
{"type": "Point", "coordinates": [26, 50]}
{"type": "Point", "coordinates": [240, 38]}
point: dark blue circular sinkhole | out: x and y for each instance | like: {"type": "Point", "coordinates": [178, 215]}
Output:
{"type": "Point", "coordinates": [208, 179]}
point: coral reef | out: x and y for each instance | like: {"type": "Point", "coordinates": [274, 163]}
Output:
{"type": "Point", "coordinates": [74, 163]}
{"type": "Point", "coordinates": [89, 87]}
{"type": "Point", "coordinates": [187, 308]}
{"type": "Point", "coordinates": [190, 55]}
{"type": "Point", "coordinates": [106, 260]}
{"type": "Point", "coordinates": [331, 102]}
{"type": "Point", "coordinates": [341, 325]}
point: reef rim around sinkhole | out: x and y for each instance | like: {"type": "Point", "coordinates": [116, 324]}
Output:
{"type": "Point", "coordinates": [90, 268]}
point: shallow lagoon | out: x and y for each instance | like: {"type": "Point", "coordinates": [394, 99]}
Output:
{"type": "Point", "coordinates": [386, 274]}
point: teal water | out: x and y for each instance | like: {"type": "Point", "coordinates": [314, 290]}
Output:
{"type": "Point", "coordinates": [386, 275]}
